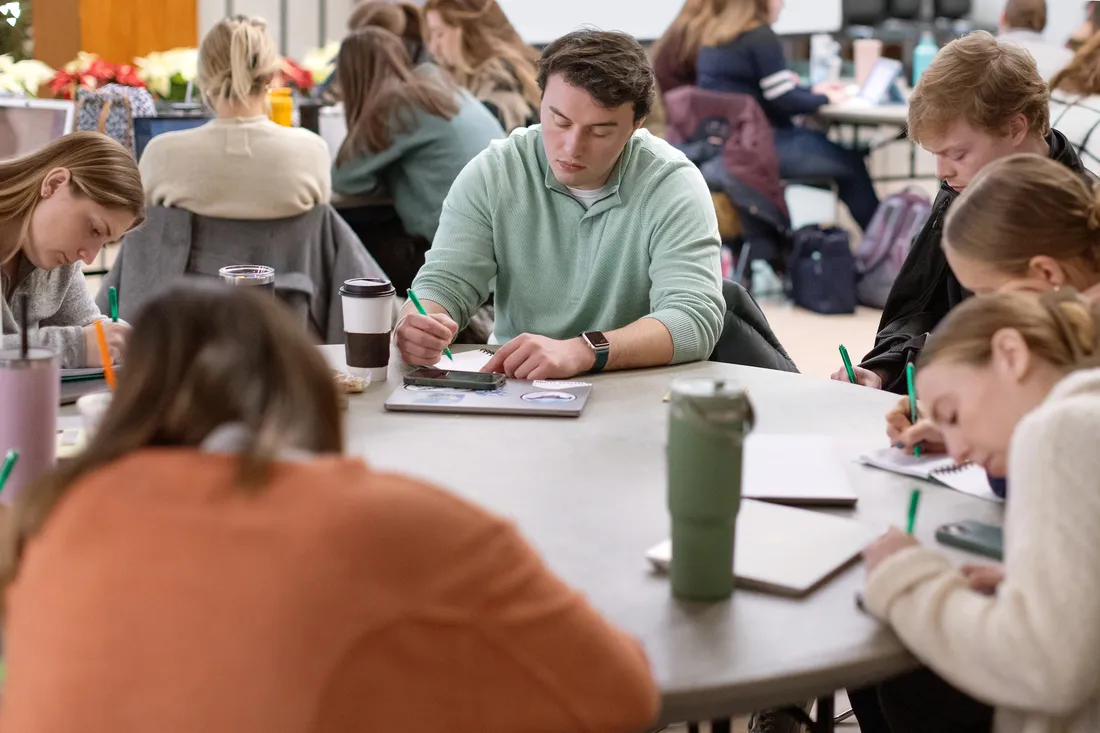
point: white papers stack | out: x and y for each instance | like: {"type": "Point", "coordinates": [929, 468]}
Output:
{"type": "Point", "coordinates": [969, 478]}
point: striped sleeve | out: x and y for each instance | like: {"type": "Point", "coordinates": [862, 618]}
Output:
{"type": "Point", "coordinates": [779, 86]}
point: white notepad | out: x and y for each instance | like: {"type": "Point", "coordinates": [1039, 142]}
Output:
{"type": "Point", "coordinates": [784, 550]}
{"type": "Point", "coordinates": [467, 361]}
{"type": "Point", "coordinates": [968, 478]}
{"type": "Point", "coordinates": [795, 469]}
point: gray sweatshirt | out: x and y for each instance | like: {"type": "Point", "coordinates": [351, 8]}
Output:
{"type": "Point", "coordinates": [60, 307]}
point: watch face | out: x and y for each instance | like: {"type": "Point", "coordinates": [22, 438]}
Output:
{"type": "Point", "coordinates": [597, 340]}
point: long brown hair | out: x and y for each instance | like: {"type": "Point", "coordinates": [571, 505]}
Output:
{"type": "Point", "coordinates": [489, 39]}
{"type": "Point", "coordinates": [201, 355]}
{"type": "Point", "coordinates": [1082, 75]}
{"type": "Point", "coordinates": [1024, 206]}
{"type": "Point", "coordinates": [381, 91]}
{"type": "Point", "coordinates": [99, 168]}
{"type": "Point", "coordinates": [1059, 327]}
{"type": "Point", "coordinates": [399, 18]}
{"type": "Point", "coordinates": [709, 23]}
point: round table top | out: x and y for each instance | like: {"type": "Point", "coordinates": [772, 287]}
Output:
{"type": "Point", "coordinates": [589, 494]}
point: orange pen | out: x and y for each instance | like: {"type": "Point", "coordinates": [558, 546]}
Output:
{"type": "Point", "coordinates": [105, 355]}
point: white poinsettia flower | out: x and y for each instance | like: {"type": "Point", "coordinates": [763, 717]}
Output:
{"type": "Point", "coordinates": [321, 62]}
{"type": "Point", "coordinates": [31, 74]}
{"type": "Point", "coordinates": [81, 63]}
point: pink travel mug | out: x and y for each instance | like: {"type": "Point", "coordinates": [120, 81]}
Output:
{"type": "Point", "coordinates": [29, 392]}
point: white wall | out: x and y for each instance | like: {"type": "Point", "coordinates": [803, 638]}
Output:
{"type": "Point", "coordinates": [308, 23]}
{"type": "Point", "coordinates": [540, 21]}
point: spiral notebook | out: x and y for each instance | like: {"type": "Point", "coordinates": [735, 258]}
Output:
{"type": "Point", "coordinates": [968, 478]}
{"type": "Point", "coordinates": [466, 361]}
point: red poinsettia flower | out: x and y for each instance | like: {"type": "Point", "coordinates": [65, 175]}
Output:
{"type": "Point", "coordinates": [297, 76]}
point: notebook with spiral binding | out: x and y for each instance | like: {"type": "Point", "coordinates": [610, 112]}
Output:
{"type": "Point", "coordinates": [967, 478]}
{"type": "Point", "coordinates": [466, 361]}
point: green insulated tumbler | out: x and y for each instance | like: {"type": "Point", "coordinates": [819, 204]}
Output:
{"type": "Point", "coordinates": [708, 422]}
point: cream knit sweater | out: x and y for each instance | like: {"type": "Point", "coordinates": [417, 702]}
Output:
{"type": "Point", "coordinates": [245, 168]}
{"type": "Point", "coordinates": [1033, 650]}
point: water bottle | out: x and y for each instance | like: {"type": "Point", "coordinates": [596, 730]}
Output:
{"type": "Point", "coordinates": [822, 50]}
{"type": "Point", "coordinates": [708, 422]}
{"type": "Point", "coordinates": [923, 54]}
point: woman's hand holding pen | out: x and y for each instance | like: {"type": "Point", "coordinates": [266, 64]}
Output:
{"type": "Point", "coordinates": [905, 435]}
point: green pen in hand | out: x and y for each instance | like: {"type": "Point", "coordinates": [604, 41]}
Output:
{"type": "Point", "coordinates": [914, 504]}
{"type": "Point", "coordinates": [9, 465]}
{"type": "Point", "coordinates": [848, 364]}
{"type": "Point", "coordinates": [913, 416]}
{"type": "Point", "coordinates": [416, 301]}
{"type": "Point", "coordinates": [112, 296]}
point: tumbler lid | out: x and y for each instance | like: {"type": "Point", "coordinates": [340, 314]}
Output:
{"type": "Point", "coordinates": [37, 357]}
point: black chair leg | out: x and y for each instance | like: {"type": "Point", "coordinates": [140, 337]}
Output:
{"type": "Point", "coordinates": [719, 726]}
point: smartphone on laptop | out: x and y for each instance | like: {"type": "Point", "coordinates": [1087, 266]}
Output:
{"type": "Point", "coordinates": [430, 377]}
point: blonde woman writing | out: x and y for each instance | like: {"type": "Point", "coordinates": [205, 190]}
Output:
{"type": "Point", "coordinates": [58, 207]}
{"type": "Point", "coordinates": [1012, 381]}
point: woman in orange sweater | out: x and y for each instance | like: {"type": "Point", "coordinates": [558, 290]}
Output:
{"type": "Point", "coordinates": [212, 563]}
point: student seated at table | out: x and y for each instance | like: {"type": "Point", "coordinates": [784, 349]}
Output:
{"type": "Point", "coordinates": [586, 223]}
{"type": "Point", "coordinates": [59, 206]}
{"type": "Point", "coordinates": [479, 47]}
{"type": "Point", "coordinates": [1075, 103]}
{"type": "Point", "coordinates": [1027, 224]}
{"type": "Point", "coordinates": [979, 100]}
{"type": "Point", "coordinates": [240, 165]}
{"type": "Point", "coordinates": [212, 562]}
{"type": "Point", "coordinates": [1023, 23]}
{"type": "Point", "coordinates": [411, 131]}
{"type": "Point", "coordinates": [740, 53]}
{"type": "Point", "coordinates": [1012, 381]}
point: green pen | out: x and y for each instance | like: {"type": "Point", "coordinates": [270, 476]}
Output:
{"type": "Point", "coordinates": [9, 464]}
{"type": "Point", "coordinates": [112, 295]}
{"type": "Point", "coordinates": [912, 401]}
{"type": "Point", "coordinates": [848, 364]}
{"type": "Point", "coordinates": [416, 301]}
{"type": "Point", "coordinates": [914, 504]}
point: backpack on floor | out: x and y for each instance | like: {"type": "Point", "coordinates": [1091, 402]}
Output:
{"type": "Point", "coordinates": [886, 244]}
{"type": "Point", "coordinates": [822, 273]}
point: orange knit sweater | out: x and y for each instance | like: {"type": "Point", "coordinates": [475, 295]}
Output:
{"type": "Point", "coordinates": [160, 598]}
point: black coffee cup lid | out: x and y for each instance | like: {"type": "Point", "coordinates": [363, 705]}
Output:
{"type": "Point", "coordinates": [367, 287]}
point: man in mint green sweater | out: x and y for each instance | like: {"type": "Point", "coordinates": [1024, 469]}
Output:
{"type": "Point", "coordinates": [602, 239]}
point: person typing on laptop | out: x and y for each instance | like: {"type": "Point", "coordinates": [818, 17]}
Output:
{"type": "Point", "coordinates": [602, 239]}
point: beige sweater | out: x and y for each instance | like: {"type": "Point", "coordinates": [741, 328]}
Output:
{"type": "Point", "coordinates": [238, 169]}
{"type": "Point", "coordinates": [1033, 650]}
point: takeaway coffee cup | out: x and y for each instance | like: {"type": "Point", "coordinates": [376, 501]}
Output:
{"type": "Point", "coordinates": [368, 323]}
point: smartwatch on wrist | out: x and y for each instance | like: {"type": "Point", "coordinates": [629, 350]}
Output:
{"type": "Point", "coordinates": [602, 348]}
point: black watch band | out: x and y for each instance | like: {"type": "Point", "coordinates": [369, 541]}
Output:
{"type": "Point", "coordinates": [600, 346]}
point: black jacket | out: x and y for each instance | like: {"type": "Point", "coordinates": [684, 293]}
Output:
{"type": "Point", "coordinates": [926, 289]}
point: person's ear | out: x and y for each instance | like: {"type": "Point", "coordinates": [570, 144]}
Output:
{"type": "Point", "coordinates": [1011, 355]}
{"type": "Point", "coordinates": [638, 125]}
{"type": "Point", "coordinates": [1047, 269]}
{"type": "Point", "coordinates": [54, 180]}
{"type": "Point", "coordinates": [1018, 130]}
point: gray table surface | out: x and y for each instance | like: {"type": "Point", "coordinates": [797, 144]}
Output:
{"type": "Point", "coordinates": [589, 494]}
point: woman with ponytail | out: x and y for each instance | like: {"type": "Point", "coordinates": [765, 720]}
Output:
{"type": "Point", "coordinates": [240, 165]}
{"type": "Point", "coordinates": [1013, 383]}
